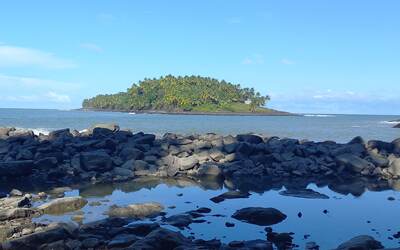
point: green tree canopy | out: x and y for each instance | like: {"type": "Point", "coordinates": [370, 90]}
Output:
{"type": "Point", "coordinates": [188, 93]}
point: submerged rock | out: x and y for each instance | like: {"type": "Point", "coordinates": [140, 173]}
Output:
{"type": "Point", "coordinates": [259, 216]}
{"type": "Point", "coordinates": [140, 210]}
{"type": "Point", "coordinates": [304, 193]}
{"type": "Point", "coordinates": [362, 242]}
{"type": "Point", "coordinates": [161, 239]}
{"type": "Point", "coordinates": [63, 205]}
{"type": "Point", "coordinates": [230, 195]}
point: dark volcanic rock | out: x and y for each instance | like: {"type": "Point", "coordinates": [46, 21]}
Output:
{"type": "Point", "coordinates": [362, 242]}
{"type": "Point", "coordinates": [96, 161]}
{"type": "Point", "coordinates": [304, 193]}
{"type": "Point", "coordinates": [259, 216]}
{"type": "Point", "coordinates": [161, 239]}
{"type": "Point", "coordinates": [16, 168]}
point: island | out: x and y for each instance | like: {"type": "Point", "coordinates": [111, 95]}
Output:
{"type": "Point", "coordinates": [184, 95]}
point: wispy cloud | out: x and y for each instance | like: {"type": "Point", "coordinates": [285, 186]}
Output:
{"type": "Point", "coordinates": [287, 61]}
{"type": "Point", "coordinates": [255, 59]}
{"type": "Point", "coordinates": [35, 92]}
{"type": "Point", "coordinates": [13, 56]}
{"type": "Point", "coordinates": [55, 97]}
{"type": "Point", "coordinates": [92, 47]}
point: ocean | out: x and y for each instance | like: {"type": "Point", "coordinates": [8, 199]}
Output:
{"type": "Point", "coordinates": [317, 127]}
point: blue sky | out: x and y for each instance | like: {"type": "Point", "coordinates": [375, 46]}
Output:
{"type": "Point", "coordinates": [311, 56]}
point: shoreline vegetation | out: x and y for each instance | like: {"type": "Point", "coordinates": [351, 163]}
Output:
{"type": "Point", "coordinates": [244, 163]}
{"type": "Point", "coordinates": [184, 95]}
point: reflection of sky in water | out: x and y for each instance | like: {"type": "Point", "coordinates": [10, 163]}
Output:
{"type": "Point", "coordinates": [347, 215]}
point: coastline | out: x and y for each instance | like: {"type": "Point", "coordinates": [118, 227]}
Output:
{"type": "Point", "coordinates": [224, 113]}
{"type": "Point", "coordinates": [105, 153]}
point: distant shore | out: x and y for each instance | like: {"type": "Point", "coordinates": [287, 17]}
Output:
{"type": "Point", "coordinates": [222, 113]}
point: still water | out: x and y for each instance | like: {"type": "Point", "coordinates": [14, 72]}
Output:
{"type": "Point", "coordinates": [370, 213]}
{"type": "Point", "coordinates": [340, 128]}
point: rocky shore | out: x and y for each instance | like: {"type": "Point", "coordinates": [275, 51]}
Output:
{"type": "Point", "coordinates": [105, 153]}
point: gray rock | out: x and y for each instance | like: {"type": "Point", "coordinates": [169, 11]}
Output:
{"type": "Point", "coordinates": [90, 242]}
{"type": "Point", "coordinates": [5, 131]}
{"type": "Point", "coordinates": [96, 161]}
{"type": "Point", "coordinates": [15, 192]}
{"type": "Point", "coordinates": [259, 216]}
{"type": "Point", "coordinates": [208, 169]}
{"type": "Point", "coordinates": [186, 163]}
{"type": "Point", "coordinates": [140, 210]}
{"type": "Point", "coordinates": [145, 139]}
{"type": "Point", "coordinates": [179, 220]}
{"type": "Point", "coordinates": [46, 163]}
{"type": "Point", "coordinates": [362, 242]}
{"type": "Point", "coordinates": [16, 213]}
{"type": "Point", "coordinates": [394, 167]}
{"type": "Point", "coordinates": [123, 172]}
{"type": "Point", "coordinates": [353, 163]}
{"type": "Point", "coordinates": [63, 205]}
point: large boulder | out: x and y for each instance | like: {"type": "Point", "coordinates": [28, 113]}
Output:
{"type": "Point", "coordinates": [362, 242]}
{"type": "Point", "coordinates": [63, 205]}
{"type": "Point", "coordinates": [397, 125]}
{"type": "Point", "coordinates": [60, 133]}
{"type": "Point", "coordinates": [394, 167]}
{"type": "Point", "coordinates": [145, 139]}
{"type": "Point", "coordinates": [110, 126]}
{"type": "Point", "coordinates": [16, 213]}
{"type": "Point", "coordinates": [96, 161]}
{"type": "Point", "coordinates": [16, 168]}
{"type": "Point", "coordinates": [130, 153]}
{"type": "Point", "coordinates": [4, 131]}
{"type": "Point", "coordinates": [140, 210]}
{"type": "Point", "coordinates": [186, 163]}
{"type": "Point", "coordinates": [353, 163]}
{"type": "Point", "coordinates": [259, 216]}
{"type": "Point", "coordinates": [249, 138]}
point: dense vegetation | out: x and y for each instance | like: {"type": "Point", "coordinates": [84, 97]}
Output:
{"type": "Point", "coordinates": [188, 93]}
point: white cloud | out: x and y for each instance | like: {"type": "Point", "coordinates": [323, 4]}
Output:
{"type": "Point", "coordinates": [255, 59]}
{"type": "Point", "coordinates": [13, 56]}
{"type": "Point", "coordinates": [53, 96]}
{"type": "Point", "coordinates": [32, 83]}
{"type": "Point", "coordinates": [287, 61]}
{"type": "Point", "coordinates": [91, 46]}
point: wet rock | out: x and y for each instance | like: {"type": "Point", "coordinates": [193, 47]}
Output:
{"type": "Point", "coordinates": [259, 216]}
{"type": "Point", "coordinates": [63, 205]}
{"type": "Point", "coordinates": [362, 242]}
{"type": "Point", "coordinates": [304, 193]}
{"type": "Point", "coordinates": [131, 154]}
{"type": "Point", "coordinates": [180, 221]}
{"type": "Point", "coordinates": [96, 161]}
{"type": "Point", "coordinates": [140, 210]}
{"type": "Point", "coordinates": [161, 239]}
{"type": "Point", "coordinates": [282, 241]}
{"type": "Point", "coordinates": [229, 224]}
{"type": "Point", "coordinates": [230, 195]}
{"type": "Point", "coordinates": [122, 240]}
{"type": "Point", "coordinates": [251, 244]}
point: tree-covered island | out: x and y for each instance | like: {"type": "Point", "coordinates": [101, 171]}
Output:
{"type": "Point", "coordinates": [183, 94]}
